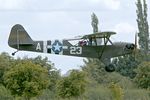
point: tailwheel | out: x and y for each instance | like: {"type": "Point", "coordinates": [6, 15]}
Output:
{"type": "Point", "coordinates": [110, 68]}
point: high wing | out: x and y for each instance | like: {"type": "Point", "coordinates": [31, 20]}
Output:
{"type": "Point", "coordinates": [105, 34]}
{"type": "Point", "coordinates": [99, 35]}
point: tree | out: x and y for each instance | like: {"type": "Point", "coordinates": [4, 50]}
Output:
{"type": "Point", "coordinates": [72, 85]}
{"type": "Point", "coordinates": [5, 94]}
{"type": "Point", "coordinates": [94, 67]}
{"type": "Point", "coordinates": [143, 75]}
{"type": "Point", "coordinates": [26, 79]}
{"type": "Point", "coordinates": [53, 73]}
{"type": "Point", "coordinates": [43, 62]}
{"type": "Point", "coordinates": [95, 70]}
{"type": "Point", "coordinates": [117, 91]}
{"type": "Point", "coordinates": [125, 65]}
{"type": "Point", "coordinates": [142, 26]}
{"type": "Point", "coordinates": [5, 63]}
{"type": "Point", "coordinates": [94, 23]}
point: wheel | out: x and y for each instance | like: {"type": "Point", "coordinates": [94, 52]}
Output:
{"type": "Point", "coordinates": [13, 54]}
{"type": "Point", "coordinates": [110, 68]}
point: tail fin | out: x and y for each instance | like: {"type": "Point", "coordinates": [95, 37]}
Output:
{"type": "Point", "coordinates": [19, 36]}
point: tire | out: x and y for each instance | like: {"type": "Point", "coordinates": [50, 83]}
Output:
{"type": "Point", "coordinates": [110, 68]}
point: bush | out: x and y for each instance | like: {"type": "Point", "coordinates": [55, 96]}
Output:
{"type": "Point", "coordinates": [142, 78]}
{"type": "Point", "coordinates": [5, 94]}
{"type": "Point", "coordinates": [136, 94]}
{"type": "Point", "coordinates": [26, 79]}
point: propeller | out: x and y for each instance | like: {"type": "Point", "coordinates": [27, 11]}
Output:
{"type": "Point", "coordinates": [135, 47]}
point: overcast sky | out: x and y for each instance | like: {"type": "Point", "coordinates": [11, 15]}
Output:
{"type": "Point", "coordinates": [58, 19]}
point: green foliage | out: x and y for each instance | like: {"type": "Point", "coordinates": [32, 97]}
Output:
{"type": "Point", "coordinates": [94, 22]}
{"type": "Point", "coordinates": [117, 91]}
{"type": "Point", "coordinates": [54, 76]}
{"type": "Point", "coordinates": [72, 85]}
{"type": "Point", "coordinates": [143, 75]}
{"type": "Point", "coordinates": [126, 65]}
{"type": "Point", "coordinates": [44, 62]}
{"type": "Point", "coordinates": [116, 78]}
{"type": "Point", "coordinates": [92, 83]}
{"type": "Point", "coordinates": [53, 73]}
{"type": "Point", "coordinates": [142, 26]}
{"type": "Point", "coordinates": [26, 79]}
{"type": "Point", "coordinates": [97, 92]}
{"type": "Point", "coordinates": [95, 70]}
{"type": "Point", "coordinates": [47, 95]}
{"type": "Point", "coordinates": [136, 94]}
{"type": "Point", "coordinates": [122, 88]}
{"type": "Point", "coordinates": [5, 94]}
{"type": "Point", "coordinates": [5, 64]}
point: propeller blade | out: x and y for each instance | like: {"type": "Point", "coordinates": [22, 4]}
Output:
{"type": "Point", "coordinates": [135, 48]}
{"type": "Point", "coordinates": [136, 40]}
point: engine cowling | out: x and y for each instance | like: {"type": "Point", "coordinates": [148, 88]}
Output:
{"type": "Point", "coordinates": [130, 46]}
{"type": "Point", "coordinates": [110, 68]}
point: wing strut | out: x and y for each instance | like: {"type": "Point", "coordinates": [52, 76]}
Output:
{"type": "Point", "coordinates": [106, 39]}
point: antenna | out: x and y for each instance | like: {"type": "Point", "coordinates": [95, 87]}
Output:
{"type": "Point", "coordinates": [17, 43]}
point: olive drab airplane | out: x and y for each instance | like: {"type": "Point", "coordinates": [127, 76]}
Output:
{"type": "Point", "coordinates": [97, 45]}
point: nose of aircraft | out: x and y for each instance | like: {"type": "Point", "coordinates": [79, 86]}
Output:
{"type": "Point", "coordinates": [130, 46]}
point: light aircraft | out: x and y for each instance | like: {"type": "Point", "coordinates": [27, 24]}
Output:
{"type": "Point", "coordinates": [97, 45]}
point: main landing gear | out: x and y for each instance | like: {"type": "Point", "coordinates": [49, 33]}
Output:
{"type": "Point", "coordinates": [110, 68]}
